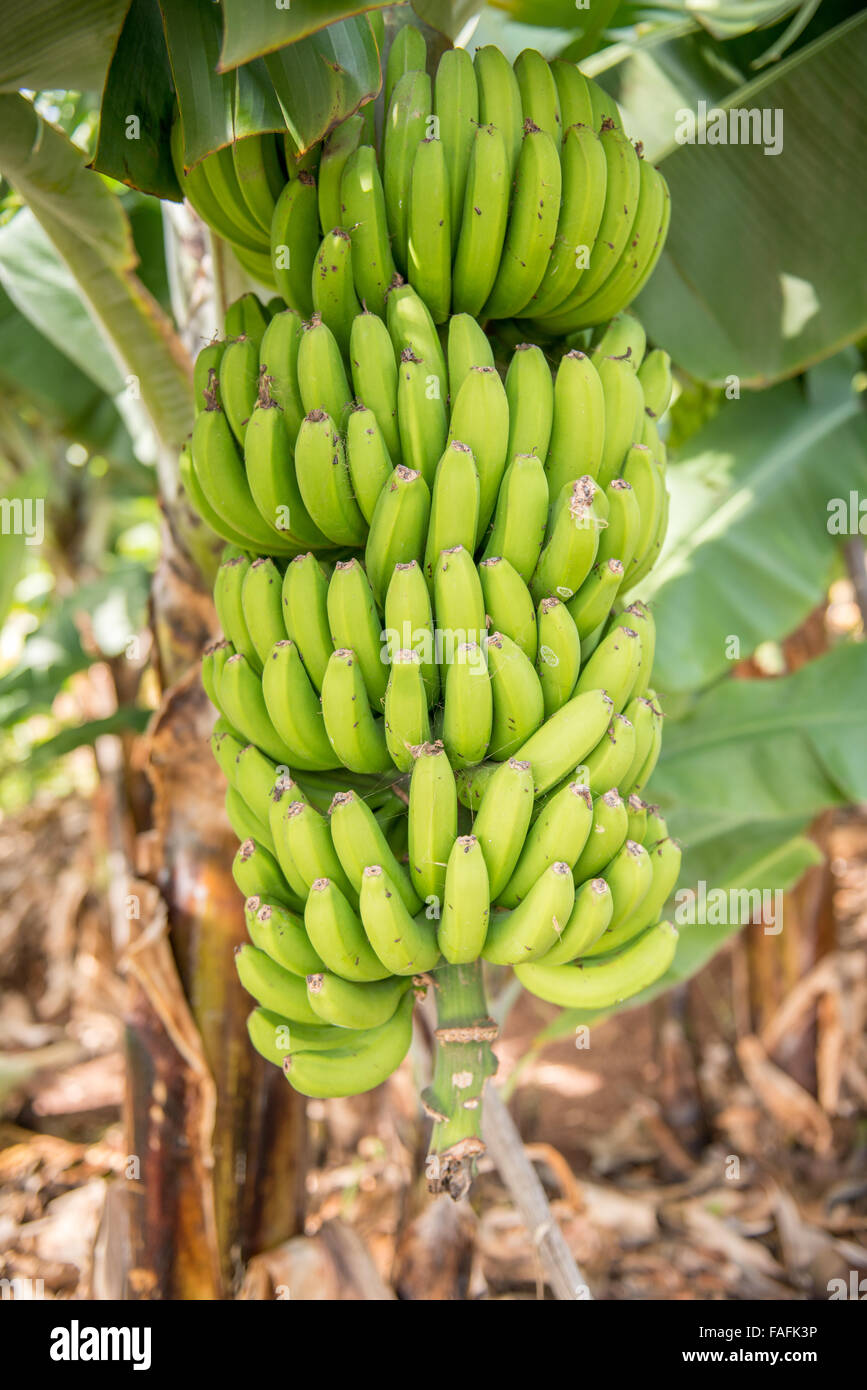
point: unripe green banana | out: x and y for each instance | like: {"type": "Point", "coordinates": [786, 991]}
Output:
{"type": "Point", "coordinates": [256, 871]}
{"type": "Point", "coordinates": [483, 220]}
{"type": "Point", "coordinates": [282, 936]}
{"type": "Point", "coordinates": [521, 516]}
{"type": "Point", "coordinates": [409, 622]}
{"type": "Point", "coordinates": [468, 705]}
{"type": "Point", "coordinates": [272, 986]}
{"type": "Point", "coordinates": [270, 461]}
{"type": "Point", "coordinates": [559, 833]}
{"type": "Point", "coordinates": [368, 459]}
{"type": "Point", "coordinates": [468, 346]}
{"type": "Point", "coordinates": [363, 214]}
{"type": "Point", "coordinates": [652, 555]}
{"type": "Point", "coordinates": [590, 605]}
{"type": "Point", "coordinates": [480, 419]}
{"type": "Point", "coordinates": [454, 513]}
{"type": "Point", "coordinates": [637, 810]}
{"type": "Point", "coordinates": [200, 503]}
{"type": "Point", "coordinates": [502, 821]}
{"type": "Point", "coordinates": [411, 325]}
{"type": "Point", "coordinates": [606, 838]}
{"type": "Point", "coordinates": [566, 738]}
{"type": "Point", "coordinates": [354, 622]}
{"type": "Point", "coordinates": [240, 693]}
{"type": "Point", "coordinates": [308, 839]}
{"type": "Point", "coordinates": [472, 783]}
{"type": "Point", "coordinates": [656, 828]}
{"type": "Point", "coordinates": [322, 378]}
{"type": "Point", "coordinates": [530, 394]}
{"type": "Point", "coordinates": [624, 414]}
{"type": "Point", "coordinates": [342, 142]}
{"type": "Point", "coordinates": [573, 92]}
{"type": "Point", "coordinates": [225, 748]}
{"type": "Point", "coordinates": [262, 605]}
{"type": "Point", "coordinates": [407, 725]}
{"type": "Point", "coordinates": [620, 537]}
{"type": "Point", "coordinates": [585, 175]}
{"type": "Point", "coordinates": [636, 780]}
{"type": "Point", "coordinates": [622, 336]}
{"type": "Point", "coordinates": [334, 297]}
{"type": "Point", "coordinates": [214, 659]}
{"type": "Point", "coordinates": [219, 171]}
{"type": "Point", "coordinates": [433, 821]}
{"type": "Point", "coordinates": [508, 604]}
{"type": "Point", "coordinates": [206, 372]}
{"type": "Point", "coordinates": [354, 1004]}
{"type": "Point", "coordinates": [408, 53]}
{"type": "Point", "coordinates": [611, 759]}
{"type": "Point", "coordinates": [500, 100]}
{"type": "Point", "coordinates": [255, 777]}
{"type": "Point", "coordinates": [629, 876]}
{"type": "Point", "coordinates": [259, 175]}
{"type": "Point", "coordinates": [651, 436]}
{"type": "Point", "coordinates": [600, 984]}
{"type": "Point", "coordinates": [305, 613]}
{"type": "Point", "coordinates": [406, 125]}
{"type": "Point", "coordinates": [257, 265]}
{"type": "Point", "coordinates": [356, 736]}
{"type": "Point", "coordinates": [367, 1059]}
{"type": "Point", "coordinates": [323, 477]}
{"type": "Point", "coordinates": [613, 666]}
{"type": "Point", "coordinates": [459, 603]}
{"type": "Point", "coordinates": [336, 933]}
{"type": "Point", "coordinates": [405, 945]}
{"type": "Point", "coordinates": [282, 797]}
{"type": "Point", "coordinates": [644, 247]}
{"type": "Point", "coordinates": [559, 653]}
{"type": "Point", "coordinates": [604, 106]}
{"type": "Point", "coordinates": [540, 100]}
{"type": "Point", "coordinates": [571, 544]}
{"type": "Point", "coordinates": [398, 529]}
{"type": "Point", "coordinates": [645, 717]}
{"type": "Point", "coordinates": [456, 104]}
{"type": "Point", "coordinates": [578, 432]}
{"type": "Point", "coordinates": [648, 485]}
{"type": "Point", "coordinates": [531, 227]}
{"type": "Point", "coordinates": [359, 841]}
{"type": "Point", "coordinates": [198, 192]}
{"type": "Point", "coordinates": [294, 242]}
{"type": "Point", "coordinates": [293, 709]}
{"type": "Point", "coordinates": [374, 376]}
{"type": "Point", "coordinates": [654, 374]}
{"type": "Point", "coordinates": [429, 238]}
{"type": "Point", "coordinates": [245, 317]}
{"type": "Point", "coordinates": [219, 472]}
{"type": "Point", "coordinates": [640, 618]}
{"type": "Point", "coordinates": [463, 923]}
{"type": "Point", "coordinates": [532, 928]}
{"type": "Point", "coordinates": [421, 414]}
{"type": "Point", "coordinates": [244, 821]}
{"type": "Point", "coordinates": [519, 707]}
{"type": "Point", "coordinates": [588, 920]}
{"type": "Point", "coordinates": [275, 1037]}
{"type": "Point", "coordinates": [228, 590]}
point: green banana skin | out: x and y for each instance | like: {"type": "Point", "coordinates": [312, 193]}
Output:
{"type": "Point", "coordinates": [521, 516]}
{"type": "Point", "coordinates": [270, 461]}
{"type": "Point", "coordinates": [408, 53]}
{"type": "Point", "coordinates": [398, 529]}
{"type": "Point", "coordinates": [405, 945]}
{"type": "Point", "coordinates": [255, 777]}
{"type": "Point", "coordinates": [324, 480]}
{"type": "Point", "coordinates": [350, 1004]}
{"type": "Point", "coordinates": [433, 823]}
{"type": "Point", "coordinates": [480, 419]}
{"type": "Point", "coordinates": [629, 876]}
{"type": "Point", "coordinates": [468, 347]}
{"type": "Point", "coordinates": [656, 828]}
{"type": "Point", "coordinates": [409, 622]}
{"type": "Point", "coordinates": [645, 718]}
{"type": "Point", "coordinates": [637, 810]}
{"type": "Point", "coordinates": [502, 821]}
{"type": "Point", "coordinates": [407, 725]}
{"type": "Point", "coordinates": [500, 100]}
{"type": "Point", "coordinates": [463, 923]}
{"type": "Point", "coordinates": [459, 603]}
{"type": "Point", "coordinates": [531, 227]}
{"type": "Point", "coordinates": [342, 142]}
{"type": "Point", "coordinates": [356, 737]}
{"type": "Point", "coordinates": [363, 213]}
{"type": "Point", "coordinates": [644, 247]}
{"type": "Point", "coordinates": [354, 622]}
{"type": "Point", "coordinates": [530, 394]}
{"type": "Point", "coordinates": [624, 414]}
{"type": "Point", "coordinates": [245, 317]}
{"type": "Point", "coordinates": [588, 920]}
{"type": "Point", "coordinates": [219, 472]}
{"type": "Point", "coordinates": [456, 104]}
{"type": "Point", "coordinates": [509, 604]}
{"type": "Point", "coordinates": [282, 936]}
{"type": "Point", "coordinates": [566, 738]}
{"type": "Point", "coordinates": [262, 604]}
{"type": "Point", "coordinates": [591, 604]}
{"type": "Point", "coordinates": [585, 176]}
{"type": "Point", "coordinates": [644, 477]}
{"type": "Point", "coordinates": [603, 983]}
{"type": "Point", "coordinates": [572, 542]}
{"type": "Point", "coordinates": [421, 414]}
{"type": "Point", "coordinates": [334, 297]}
{"type": "Point", "coordinates": [240, 693]}
{"type": "Point", "coordinates": [640, 618]}
{"type": "Point", "coordinates": [214, 658]}
{"type": "Point", "coordinates": [228, 600]}
{"type": "Point", "coordinates": [374, 376]}
{"type": "Point", "coordinates": [573, 92]}
{"type": "Point", "coordinates": [335, 931]}
{"type": "Point", "coordinates": [468, 711]}
{"type": "Point", "coordinates": [620, 537]}
{"type": "Point", "coordinates": [272, 986]}
{"type": "Point", "coordinates": [275, 1037]}
{"type": "Point", "coordinates": [405, 127]}
{"type": "Point", "coordinates": [293, 709]}
{"type": "Point", "coordinates": [559, 654]}
{"type": "Point", "coordinates": [540, 101]}
{"type": "Point", "coordinates": [637, 782]}
{"type": "Point", "coordinates": [322, 378]}
{"type": "Point", "coordinates": [368, 459]}
{"type": "Point", "coordinates": [653, 553]}
{"type": "Point", "coordinates": [622, 336]}
{"type": "Point", "coordinates": [366, 1061]}
{"type": "Point", "coordinates": [454, 512]}
{"type": "Point", "coordinates": [244, 821]}
{"type": "Point", "coordinates": [256, 871]}
{"type": "Point", "coordinates": [654, 376]}
{"type": "Point", "coordinates": [308, 839]}
{"type": "Point", "coordinates": [531, 929]}
{"type": "Point", "coordinates": [606, 838]}
{"type": "Point", "coordinates": [613, 666]}
{"type": "Point", "coordinates": [612, 757]}
{"type": "Point", "coordinates": [359, 841]}
{"type": "Point", "coordinates": [578, 428]}
{"type": "Point", "coordinates": [239, 384]}
{"type": "Point", "coordinates": [429, 239]}
{"type": "Point", "coordinates": [282, 797]}
{"type": "Point", "coordinates": [482, 222]}
{"type": "Point", "coordinates": [225, 748]}
{"type": "Point", "coordinates": [295, 241]}
{"type": "Point", "coordinates": [519, 706]}
{"type": "Point", "coordinates": [472, 782]}
{"type": "Point", "coordinates": [200, 503]}
{"type": "Point", "coordinates": [206, 372]}
{"type": "Point", "coordinates": [305, 614]}
{"type": "Point", "coordinates": [559, 833]}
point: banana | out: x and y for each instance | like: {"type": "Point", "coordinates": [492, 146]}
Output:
{"type": "Point", "coordinates": [482, 221]}
{"type": "Point", "coordinates": [456, 105]}
{"type": "Point", "coordinates": [573, 92]}
{"type": "Point", "coordinates": [648, 485]}
{"type": "Point", "coordinates": [406, 125]}
{"type": "Point", "coordinates": [429, 237]}
{"type": "Point", "coordinates": [354, 1004]}
{"type": "Point", "coordinates": [588, 920]}
{"type": "Point", "coordinates": [259, 175]}
{"type": "Point", "coordinates": [521, 516]}
{"type": "Point", "coordinates": [654, 374]}
{"type": "Point", "coordinates": [532, 928]}
{"type": "Point", "coordinates": [278, 360]}
{"type": "Point", "coordinates": [262, 605]}
{"type": "Point", "coordinates": [637, 811]}
{"type": "Point", "coordinates": [644, 717]}
{"type": "Point", "coordinates": [334, 297]}
{"type": "Point", "coordinates": [468, 346]}
{"type": "Point", "coordinates": [256, 871]}
{"type": "Point", "coordinates": [573, 539]}
{"type": "Point", "coordinates": [578, 432]}
{"type": "Point", "coordinates": [639, 774]}
{"type": "Point", "coordinates": [219, 171]}
{"type": "Point", "coordinates": [405, 945]}
{"type": "Point", "coordinates": [625, 523]}
{"type": "Point", "coordinates": [341, 144]}
{"type": "Point", "coordinates": [454, 513]}
{"type": "Point", "coordinates": [409, 622]}
{"type": "Point", "coordinates": [585, 175]}
{"type": "Point", "coordinates": [408, 53]}
{"type": "Point", "coordinates": [480, 419]}
{"type": "Point", "coordinates": [468, 705]}
{"type": "Point", "coordinates": [656, 829]}
{"type": "Point", "coordinates": [273, 987]}
{"type": "Point", "coordinates": [472, 782]}
{"type": "Point", "coordinates": [374, 376]}
{"type": "Point", "coordinates": [293, 709]}
{"type": "Point", "coordinates": [282, 936]}
{"type": "Point", "coordinates": [359, 841]}
{"type": "Point", "coordinates": [531, 227]}
{"type": "Point", "coordinates": [613, 666]}
{"type": "Point", "coordinates": [652, 555]}
{"type": "Point", "coordinates": [519, 707]}
{"type": "Point", "coordinates": [336, 933]}
{"type": "Point", "coordinates": [629, 876]}
{"type": "Point", "coordinates": [240, 693]}
{"type": "Point", "coordinates": [611, 759]}
{"type": "Point", "coordinates": [324, 481]}
{"type": "Point", "coordinates": [590, 605]}
{"type": "Point", "coordinates": [411, 325]}
{"type": "Point", "coordinates": [421, 414]}
{"type": "Point", "coordinates": [197, 192]}
{"type": "Point", "coordinates": [354, 622]}
{"type": "Point", "coordinates": [502, 820]}
{"type": "Point", "coordinates": [270, 462]}
{"type": "Point", "coordinates": [219, 471]}
{"type": "Point", "coordinates": [406, 718]}
{"type": "Point", "coordinates": [500, 100]}
{"type": "Point", "coordinates": [508, 605]}
{"type": "Point", "coordinates": [367, 1059]}
{"type": "Point", "coordinates": [566, 738]}
{"type": "Point", "coordinates": [275, 1037]}
{"type": "Point", "coordinates": [255, 777]}
{"type": "Point", "coordinates": [459, 603]}
{"type": "Point", "coordinates": [239, 384]}
{"type": "Point", "coordinates": [246, 318]}
{"type": "Point", "coordinates": [307, 837]}
{"type": "Point", "coordinates": [606, 838]}
{"type": "Point", "coordinates": [530, 394]}
{"type": "Point", "coordinates": [206, 372]}
{"type": "Point", "coordinates": [193, 489]}
{"type": "Point", "coordinates": [305, 613]}
{"type": "Point", "coordinates": [257, 265]}
{"type": "Point", "coordinates": [559, 833]}
{"type": "Point", "coordinates": [623, 336]}
{"type": "Point", "coordinates": [225, 748]}
{"type": "Point", "coordinates": [282, 798]}
{"type": "Point", "coordinates": [244, 821]}
{"type": "Point", "coordinates": [368, 459]}
{"type": "Point", "coordinates": [559, 653]}
{"type": "Point", "coordinates": [540, 100]}
{"type": "Point", "coordinates": [363, 214]}
{"type": "Point", "coordinates": [604, 106]}
{"type": "Point", "coordinates": [433, 822]}
{"type": "Point", "coordinates": [356, 737]}
{"type": "Point", "coordinates": [651, 436]}
{"type": "Point", "coordinates": [398, 528]}
{"type": "Point", "coordinates": [322, 378]}
{"type": "Point", "coordinates": [600, 984]}
{"type": "Point", "coordinates": [228, 590]}
{"type": "Point", "coordinates": [214, 659]}
{"type": "Point", "coordinates": [294, 242]}
{"type": "Point", "coordinates": [643, 249]}
{"type": "Point", "coordinates": [463, 923]}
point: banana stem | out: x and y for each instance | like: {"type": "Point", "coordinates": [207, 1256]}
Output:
{"type": "Point", "coordinates": [464, 1061]}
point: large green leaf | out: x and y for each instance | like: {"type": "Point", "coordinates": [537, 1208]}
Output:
{"type": "Point", "coordinates": [749, 553]}
{"type": "Point", "coordinates": [249, 31]}
{"type": "Point", "coordinates": [32, 366]}
{"type": "Point", "coordinates": [321, 80]}
{"type": "Point", "coordinates": [450, 17]}
{"type": "Point", "coordinates": [762, 273]}
{"type": "Point", "coordinates": [55, 44]}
